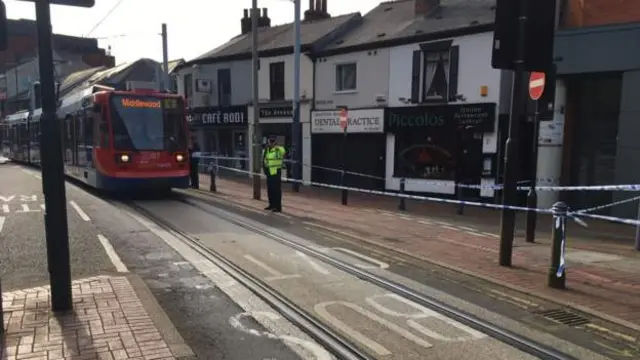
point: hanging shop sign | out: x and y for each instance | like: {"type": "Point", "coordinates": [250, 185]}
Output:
{"type": "Point", "coordinates": [218, 116]}
{"type": "Point", "coordinates": [276, 112]}
{"type": "Point", "coordinates": [358, 121]}
{"type": "Point", "coordinates": [481, 116]}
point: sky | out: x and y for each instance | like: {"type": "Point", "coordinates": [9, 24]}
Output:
{"type": "Point", "coordinates": [193, 26]}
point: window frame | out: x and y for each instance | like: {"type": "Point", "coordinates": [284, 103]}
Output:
{"type": "Point", "coordinates": [339, 77]}
{"type": "Point", "coordinates": [277, 88]}
{"type": "Point", "coordinates": [419, 79]}
{"type": "Point", "coordinates": [224, 89]}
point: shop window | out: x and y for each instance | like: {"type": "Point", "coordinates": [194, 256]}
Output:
{"type": "Point", "coordinates": [435, 73]}
{"type": "Point", "coordinates": [422, 155]}
{"type": "Point", "coordinates": [346, 77]}
{"type": "Point", "coordinates": [276, 81]}
{"type": "Point", "coordinates": [188, 86]}
{"type": "Point", "coordinates": [224, 87]}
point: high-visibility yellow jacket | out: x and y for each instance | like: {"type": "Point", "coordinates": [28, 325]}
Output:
{"type": "Point", "coordinates": [273, 159]}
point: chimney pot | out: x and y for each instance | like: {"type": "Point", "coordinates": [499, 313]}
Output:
{"type": "Point", "coordinates": [324, 7]}
{"type": "Point", "coordinates": [246, 13]}
{"type": "Point", "coordinates": [425, 7]}
{"type": "Point", "coordinates": [264, 12]}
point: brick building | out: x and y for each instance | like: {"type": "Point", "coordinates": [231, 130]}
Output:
{"type": "Point", "coordinates": [591, 137]}
{"type": "Point", "coordinates": [18, 64]}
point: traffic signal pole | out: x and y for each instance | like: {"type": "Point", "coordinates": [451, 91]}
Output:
{"type": "Point", "coordinates": [53, 185]}
{"type": "Point", "coordinates": [509, 189]}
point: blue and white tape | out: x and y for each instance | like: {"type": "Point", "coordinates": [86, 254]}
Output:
{"type": "Point", "coordinates": [575, 215]}
{"type": "Point", "coordinates": [623, 187]}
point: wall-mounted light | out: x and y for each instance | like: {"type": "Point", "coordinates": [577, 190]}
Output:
{"type": "Point", "coordinates": [484, 90]}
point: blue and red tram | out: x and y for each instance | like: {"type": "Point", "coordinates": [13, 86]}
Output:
{"type": "Point", "coordinates": [113, 140]}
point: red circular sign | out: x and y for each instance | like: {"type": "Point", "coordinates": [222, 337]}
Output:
{"type": "Point", "coordinates": [343, 118]}
{"type": "Point", "coordinates": [536, 85]}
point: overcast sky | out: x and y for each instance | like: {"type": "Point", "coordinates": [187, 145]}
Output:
{"type": "Point", "coordinates": [194, 26]}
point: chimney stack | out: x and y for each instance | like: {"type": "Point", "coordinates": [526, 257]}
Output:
{"type": "Point", "coordinates": [425, 7]}
{"type": "Point", "coordinates": [245, 23]}
{"type": "Point", "coordinates": [264, 20]}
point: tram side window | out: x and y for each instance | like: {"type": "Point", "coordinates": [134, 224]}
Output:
{"type": "Point", "coordinates": [88, 130]}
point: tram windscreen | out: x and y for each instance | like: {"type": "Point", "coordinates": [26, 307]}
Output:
{"type": "Point", "coordinates": [147, 123]}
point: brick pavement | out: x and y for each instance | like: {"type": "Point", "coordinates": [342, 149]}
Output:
{"type": "Point", "coordinates": [607, 290]}
{"type": "Point", "coordinates": [108, 322]}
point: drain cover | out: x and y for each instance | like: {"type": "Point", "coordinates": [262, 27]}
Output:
{"type": "Point", "coordinates": [564, 317]}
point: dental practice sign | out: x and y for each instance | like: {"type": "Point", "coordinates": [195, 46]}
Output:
{"type": "Point", "coordinates": [358, 121]}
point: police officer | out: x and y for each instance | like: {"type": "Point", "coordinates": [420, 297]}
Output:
{"type": "Point", "coordinates": [273, 157]}
{"type": "Point", "coordinates": [194, 161]}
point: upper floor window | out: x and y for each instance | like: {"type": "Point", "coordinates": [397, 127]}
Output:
{"type": "Point", "coordinates": [188, 86]}
{"type": "Point", "coordinates": [435, 73]}
{"type": "Point", "coordinates": [346, 77]}
{"type": "Point", "coordinates": [224, 87]}
{"type": "Point", "coordinates": [276, 81]}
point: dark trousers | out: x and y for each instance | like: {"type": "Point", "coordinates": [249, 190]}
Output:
{"type": "Point", "coordinates": [195, 179]}
{"type": "Point", "coordinates": [274, 190]}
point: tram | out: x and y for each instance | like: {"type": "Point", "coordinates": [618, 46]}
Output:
{"type": "Point", "coordinates": [113, 140]}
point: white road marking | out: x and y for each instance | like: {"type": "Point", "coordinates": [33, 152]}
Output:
{"type": "Point", "coordinates": [317, 267]}
{"type": "Point", "coordinates": [5, 209]}
{"type": "Point", "coordinates": [80, 212]}
{"type": "Point", "coordinates": [111, 253]}
{"type": "Point", "coordinates": [492, 235]}
{"type": "Point", "coordinates": [380, 264]}
{"type": "Point", "coordinates": [38, 177]}
{"type": "Point", "coordinates": [450, 227]}
{"type": "Point", "coordinates": [319, 352]}
{"type": "Point", "coordinates": [275, 274]}
{"type": "Point", "coordinates": [1, 223]}
{"type": "Point", "coordinates": [44, 207]}
{"type": "Point", "coordinates": [475, 233]}
{"type": "Point", "coordinates": [467, 228]}
{"type": "Point", "coordinates": [244, 298]}
{"type": "Point", "coordinates": [425, 222]}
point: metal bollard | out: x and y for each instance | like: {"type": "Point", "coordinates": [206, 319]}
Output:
{"type": "Point", "coordinates": [557, 272]}
{"type": "Point", "coordinates": [1, 311]}
{"type": "Point", "coordinates": [637, 244]}
{"type": "Point", "coordinates": [343, 184]}
{"type": "Point", "coordinates": [403, 204]}
{"type": "Point", "coordinates": [460, 198]}
{"type": "Point", "coordinates": [212, 179]}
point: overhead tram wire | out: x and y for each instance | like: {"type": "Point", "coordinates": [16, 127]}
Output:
{"type": "Point", "coordinates": [104, 18]}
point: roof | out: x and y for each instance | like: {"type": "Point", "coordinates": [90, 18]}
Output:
{"type": "Point", "coordinates": [74, 79]}
{"type": "Point", "coordinates": [396, 20]}
{"type": "Point", "coordinates": [278, 37]}
{"type": "Point", "coordinates": [171, 65]}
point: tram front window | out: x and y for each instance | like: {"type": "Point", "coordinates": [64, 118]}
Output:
{"type": "Point", "coordinates": [147, 123]}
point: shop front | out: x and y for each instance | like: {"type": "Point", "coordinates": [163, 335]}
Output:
{"type": "Point", "coordinates": [222, 133]}
{"type": "Point", "coordinates": [276, 119]}
{"type": "Point", "coordinates": [433, 148]}
{"type": "Point", "coordinates": [361, 151]}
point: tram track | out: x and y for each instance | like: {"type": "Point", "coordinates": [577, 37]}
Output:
{"type": "Point", "coordinates": [333, 341]}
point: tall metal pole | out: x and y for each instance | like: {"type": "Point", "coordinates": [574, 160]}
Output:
{"type": "Point", "coordinates": [532, 196]}
{"type": "Point", "coordinates": [508, 218]}
{"type": "Point", "coordinates": [296, 131]}
{"type": "Point", "coordinates": [55, 219]}
{"type": "Point", "coordinates": [257, 133]}
{"type": "Point", "coordinates": [165, 58]}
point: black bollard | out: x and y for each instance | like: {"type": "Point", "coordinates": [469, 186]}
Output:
{"type": "Point", "coordinates": [557, 271]}
{"type": "Point", "coordinates": [532, 203]}
{"type": "Point", "coordinates": [212, 179]}
{"type": "Point", "coordinates": [459, 190]}
{"type": "Point", "coordinates": [403, 204]}
{"type": "Point", "coordinates": [1, 312]}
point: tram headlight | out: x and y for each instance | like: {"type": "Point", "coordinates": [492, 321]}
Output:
{"type": "Point", "coordinates": [179, 158]}
{"type": "Point", "coordinates": [124, 158]}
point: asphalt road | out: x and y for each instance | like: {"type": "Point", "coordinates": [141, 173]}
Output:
{"type": "Point", "coordinates": [384, 324]}
{"type": "Point", "coordinates": [23, 252]}
{"type": "Point", "coordinates": [196, 306]}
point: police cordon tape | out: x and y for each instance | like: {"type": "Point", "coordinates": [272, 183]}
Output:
{"type": "Point", "coordinates": [624, 187]}
{"type": "Point", "coordinates": [575, 215]}
{"type": "Point", "coordinates": [440, 183]}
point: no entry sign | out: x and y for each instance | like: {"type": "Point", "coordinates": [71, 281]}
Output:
{"type": "Point", "coordinates": [343, 119]}
{"type": "Point", "coordinates": [536, 85]}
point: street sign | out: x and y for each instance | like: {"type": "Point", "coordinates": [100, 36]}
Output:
{"type": "Point", "coordinates": [78, 3]}
{"type": "Point", "coordinates": [536, 85]}
{"type": "Point", "coordinates": [343, 119]}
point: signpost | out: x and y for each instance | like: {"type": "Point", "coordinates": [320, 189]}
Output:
{"type": "Point", "coordinates": [55, 220]}
{"type": "Point", "coordinates": [344, 122]}
{"type": "Point", "coordinates": [536, 89]}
